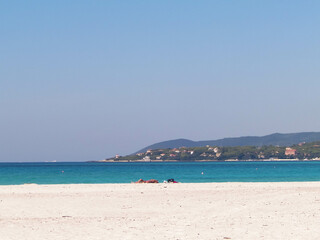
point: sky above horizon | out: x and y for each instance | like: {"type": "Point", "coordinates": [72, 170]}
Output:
{"type": "Point", "coordinates": [85, 80]}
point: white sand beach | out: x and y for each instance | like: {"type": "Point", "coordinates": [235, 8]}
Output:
{"type": "Point", "coordinates": [161, 211]}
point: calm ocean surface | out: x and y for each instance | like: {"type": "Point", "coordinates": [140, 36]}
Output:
{"type": "Point", "coordinates": [71, 172]}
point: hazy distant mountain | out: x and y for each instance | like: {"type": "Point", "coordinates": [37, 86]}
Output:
{"type": "Point", "coordinates": [272, 139]}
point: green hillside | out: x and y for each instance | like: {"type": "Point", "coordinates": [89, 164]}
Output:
{"type": "Point", "coordinates": [276, 139]}
{"type": "Point", "coordinates": [302, 151]}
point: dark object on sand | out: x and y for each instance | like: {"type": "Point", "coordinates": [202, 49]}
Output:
{"type": "Point", "coordinates": [171, 180]}
{"type": "Point", "coordinates": [147, 181]}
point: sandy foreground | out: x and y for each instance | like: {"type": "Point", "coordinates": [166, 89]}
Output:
{"type": "Point", "coordinates": [161, 211]}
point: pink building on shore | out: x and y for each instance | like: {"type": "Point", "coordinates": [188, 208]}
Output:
{"type": "Point", "coordinates": [290, 151]}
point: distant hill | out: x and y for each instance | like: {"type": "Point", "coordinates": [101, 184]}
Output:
{"type": "Point", "coordinates": [276, 139]}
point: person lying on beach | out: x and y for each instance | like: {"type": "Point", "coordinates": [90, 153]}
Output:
{"type": "Point", "coordinates": [171, 180]}
{"type": "Point", "coordinates": [147, 181]}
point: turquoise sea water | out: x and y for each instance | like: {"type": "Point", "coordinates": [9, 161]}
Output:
{"type": "Point", "coordinates": [81, 172]}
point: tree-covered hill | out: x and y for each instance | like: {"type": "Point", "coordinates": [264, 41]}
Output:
{"type": "Point", "coordinates": [276, 139]}
{"type": "Point", "coordinates": [301, 151]}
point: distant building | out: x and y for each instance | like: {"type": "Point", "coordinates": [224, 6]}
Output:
{"type": "Point", "coordinates": [290, 151]}
{"type": "Point", "coordinates": [146, 158]}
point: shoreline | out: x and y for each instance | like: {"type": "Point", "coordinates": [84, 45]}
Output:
{"type": "Point", "coordinates": [159, 183]}
{"type": "Point", "coordinates": [205, 160]}
{"type": "Point", "coordinates": [163, 161]}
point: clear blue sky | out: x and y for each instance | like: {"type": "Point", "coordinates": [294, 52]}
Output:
{"type": "Point", "coordinates": [85, 80]}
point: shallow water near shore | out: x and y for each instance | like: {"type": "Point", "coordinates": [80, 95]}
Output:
{"type": "Point", "coordinates": [188, 172]}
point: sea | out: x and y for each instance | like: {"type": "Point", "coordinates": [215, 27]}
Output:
{"type": "Point", "coordinates": [185, 172]}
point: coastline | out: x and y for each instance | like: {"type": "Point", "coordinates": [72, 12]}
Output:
{"type": "Point", "coordinates": [237, 210]}
{"type": "Point", "coordinates": [206, 160]}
